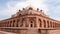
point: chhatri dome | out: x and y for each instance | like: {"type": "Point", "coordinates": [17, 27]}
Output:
{"type": "Point", "coordinates": [29, 10]}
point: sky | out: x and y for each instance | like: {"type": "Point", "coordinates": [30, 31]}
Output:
{"type": "Point", "coordinates": [50, 7]}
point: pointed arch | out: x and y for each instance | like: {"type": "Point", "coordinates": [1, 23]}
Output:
{"type": "Point", "coordinates": [44, 23]}
{"type": "Point", "coordinates": [40, 23]}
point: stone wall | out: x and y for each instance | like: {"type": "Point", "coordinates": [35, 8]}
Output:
{"type": "Point", "coordinates": [29, 31]}
{"type": "Point", "coordinates": [33, 31]}
{"type": "Point", "coordinates": [54, 31]}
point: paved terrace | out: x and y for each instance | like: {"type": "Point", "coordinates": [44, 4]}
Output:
{"type": "Point", "coordinates": [27, 28]}
{"type": "Point", "coordinates": [3, 32]}
{"type": "Point", "coordinates": [15, 30]}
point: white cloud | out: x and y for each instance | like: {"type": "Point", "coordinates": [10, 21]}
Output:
{"type": "Point", "coordinates": [19, 5]}
{"type": "Point", "coordinates": [55, 12]}
{"type": "Point", "coordinates": [36, 3]}
{"type": "Point", "coordinates": [14, 6]}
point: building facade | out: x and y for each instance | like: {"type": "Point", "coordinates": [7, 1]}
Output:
{"type": "Point", "coordinates": [30, 21]}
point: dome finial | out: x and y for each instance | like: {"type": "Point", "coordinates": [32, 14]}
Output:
{"type": "Point", "coordinates": [30, 3]}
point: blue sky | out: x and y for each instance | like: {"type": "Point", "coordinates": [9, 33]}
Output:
{"type": "Point", "coordinates": [50, 7]}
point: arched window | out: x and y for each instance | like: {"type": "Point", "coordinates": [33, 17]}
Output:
{"type": "Point", "coordinates": [40, 23]}
{"type": "Point", "coordinates": [13, 22]}
{"type": "Point", "coordinates": [53, 24]}
{"type": "Point", "coordinates": [44, 23]}
{"type": "Point", "coordinates": [31, 24]}
{"type": "Point", "coordinates": [7, 24]}
{"type": "Point", "coordinates": [48, 24]}
{"type": "Point", "coordinates": [18, 23]}
{"type": "Point", "coordinates": [10, 23]}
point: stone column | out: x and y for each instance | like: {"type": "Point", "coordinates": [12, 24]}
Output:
{"type": "Point", "coordinates": [37, 23]}
{"type": "Point", "coordinates": [27, 22]}
{"type": "Point", "coordinates": [21, 21]}
{"type": "Point", "coordinates": [42, 24]}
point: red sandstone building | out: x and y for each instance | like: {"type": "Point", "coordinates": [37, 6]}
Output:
{"type": "Point", "coordinates": [30, 21]}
